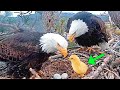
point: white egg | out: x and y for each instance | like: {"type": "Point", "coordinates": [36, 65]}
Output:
{"type": "Point", "coordinates": [64, 76]}
{"type": "Point", "coordinates": [57, 76]}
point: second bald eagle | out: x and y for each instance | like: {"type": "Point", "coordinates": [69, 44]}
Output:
{"type": "Point", "coordinates": [87, 30]}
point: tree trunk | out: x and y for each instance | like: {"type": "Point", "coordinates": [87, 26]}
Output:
{"type": "Point", "coordinates": [115, 17]}
{"type": "Point", "coordinates": [50, 19]}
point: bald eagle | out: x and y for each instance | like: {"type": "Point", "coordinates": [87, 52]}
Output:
{"type": "Point", "coordinates": [27, 49]}
{"type": "Point", "coordinates": [87, 30]}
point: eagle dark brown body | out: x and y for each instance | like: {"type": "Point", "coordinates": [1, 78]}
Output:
{"type": "Point", "coordinates": [22, 50]}
{"type": "Point", "coordinates": [20, 45]}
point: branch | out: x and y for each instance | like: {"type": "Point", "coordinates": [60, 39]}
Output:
{"type": "Point", "coordinates": [115, 45]}
{"type": "Point", "coordinates": [99, 69]}
{"type": "Point", "coordinates": [4, 77]}
{"type": "Point", "coordinates": [75, 47]}
{"type": "Point", "coordinates": [115, 63]}
{"type": "Point", "coordinates": [113, 73]}
{"type": "Point", "coordinates": [35, 74]}
{"type": "Point", "coordinates": [56, 56]}
{"type": "Point", "coordinates": [114, 52]}
{"type": "Point", "coordinates": [81, 54]}
{"type": "Point", "coordinates": [110, 41]}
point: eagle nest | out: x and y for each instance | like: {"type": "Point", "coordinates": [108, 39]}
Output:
{"type": "Point", "coordinates": [105, 68]}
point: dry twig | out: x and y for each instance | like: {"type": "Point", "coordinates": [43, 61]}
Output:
{"type": "Point", "coordinates": [115, 63]}
{"type": "Point", "coordinates": [99, 69]}
{"type": "Point", "coordinates": [81, 54]}
{"type": "Point", "coordinates": [55, 56]}
{"type": "Point", "coordinates": [113, 73]}
{"type": "Point", "coordinates": [110, 41]}
{"type": "Point", "coordinates": [35, 74]}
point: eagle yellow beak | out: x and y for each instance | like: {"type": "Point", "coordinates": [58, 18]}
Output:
{"type": "Point", "coordinates": [62, 50]}
{"type": "Point", "coordinates": [71, 37]}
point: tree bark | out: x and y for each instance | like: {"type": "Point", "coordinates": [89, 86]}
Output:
{"type": "Point", "coordinates": [115, 17]}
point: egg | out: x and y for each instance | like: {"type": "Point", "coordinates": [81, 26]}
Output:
{"type": "Point", "coordinates": [57, 76]}
{"type": "Point", "coordinates": [64, 76]}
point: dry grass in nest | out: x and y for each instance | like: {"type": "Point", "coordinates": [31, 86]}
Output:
{"type": "Point", "coordinates": [61, 66]}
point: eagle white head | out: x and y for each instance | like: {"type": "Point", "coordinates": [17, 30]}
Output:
{"type": "Point", "coordinates": [77, 28]}
{"type": "Point", "coordinates": [52, 42]}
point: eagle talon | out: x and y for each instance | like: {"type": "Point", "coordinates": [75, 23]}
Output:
{"type": "Point", "coordinates": [81, 49]}
{"type": "Point", "coordinates": [90, 50]}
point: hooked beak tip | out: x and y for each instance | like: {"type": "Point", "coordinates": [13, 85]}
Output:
{"type": "Point", "coordinates": [65, 55]}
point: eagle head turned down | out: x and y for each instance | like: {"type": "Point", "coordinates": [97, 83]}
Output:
{"type": "Point", "coordinates": [51, 43]}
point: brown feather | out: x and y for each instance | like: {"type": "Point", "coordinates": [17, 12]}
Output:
{"type": "Point", "coordinates": [102, 26]}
